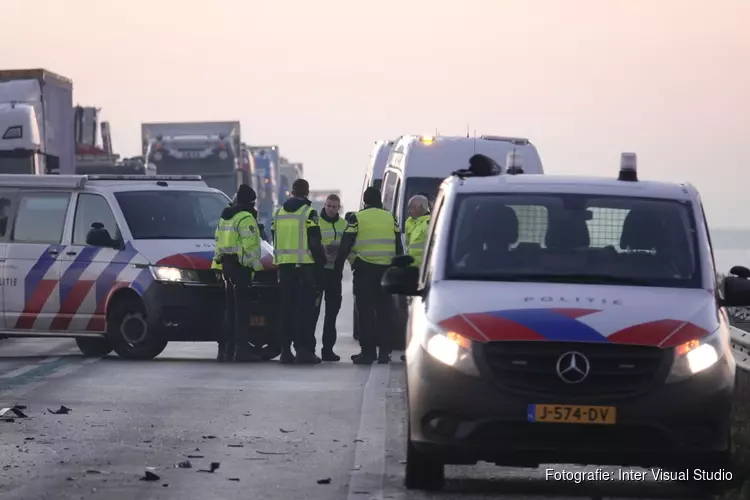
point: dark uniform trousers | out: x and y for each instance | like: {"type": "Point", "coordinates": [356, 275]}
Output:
{"type": "Point", "coordinates": [331, 290]}
{"type": "Point", "coordinates": [298, 290]}
{"type": "Point", "coordinates": [237, 282]}
{"type": "Point", "coordinates": [374, 308]}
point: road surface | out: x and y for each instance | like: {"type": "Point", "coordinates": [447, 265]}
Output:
{"type": "Point", "coordinates": [332, 431]}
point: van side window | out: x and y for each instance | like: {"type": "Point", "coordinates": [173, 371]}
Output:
{"type": "Point", "coordinates": [431, 238]}
{"type": "Point", "coordinates": [93, 208]}
{"type": "Point", "coordinates": [6, 213]}
{"type": "Point", "coordinates": [41, 217]}
{"type": "Point", "coordinates": [389, 191]}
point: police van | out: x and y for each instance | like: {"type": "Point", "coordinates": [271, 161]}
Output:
{"type": "Point", "coordinates": [418, 164]}
{"type": "Point", "coordinates": [562, 319]}
{"type": "Point", "coordinates": [117, 262]}
{"type": "Point", "coordinates": [376, 165]}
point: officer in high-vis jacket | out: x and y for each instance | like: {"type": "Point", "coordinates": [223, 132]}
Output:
{"type": "Point", "coordinates": [331, 229]}
{"type": "Point", "coordinates": [419, 208]}
{"type": "Point", "coordinates": [374, 235]}
{"type": "Point", "coordinates": [237, 256]}
{"type": "Point", "coordinates": [298, 253]}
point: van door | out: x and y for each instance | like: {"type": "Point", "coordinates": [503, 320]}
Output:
{"type": "Point", "coordinates": [33, 260]}
{"type": "Point", "coordinates": [7, 208]}
{"type": "Point", "coordinates": [91, 265]}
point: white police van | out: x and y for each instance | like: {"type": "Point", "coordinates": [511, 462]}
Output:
{"type": "Point", "coordinates": [117, 262]}
{"type": "Point", "coordinates": [548, 300]}
{"type": "Point", "coordinates": [376, 165]}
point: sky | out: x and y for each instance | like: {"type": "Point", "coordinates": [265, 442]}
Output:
{"type": "Point", "coordinates": [584, 80]}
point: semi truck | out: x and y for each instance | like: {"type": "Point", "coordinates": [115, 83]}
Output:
{"type": "Point", "coordinates": [36, 122]}
{"type": "Point", "coordinates": [266, 159]}
{"type": "Point", "coordinates": [209, 149]}
{"type": "Point", "coordinates": [288, 173]}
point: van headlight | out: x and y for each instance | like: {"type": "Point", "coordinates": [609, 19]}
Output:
{"type": "Point", "coordinates": [174, 274]}
{"type": "Point", "coordinates": [695, 356]}
{"type": "Point", "coordinates": [448, 347]}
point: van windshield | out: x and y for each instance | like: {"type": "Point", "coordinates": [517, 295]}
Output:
{"type": "Point", "coordinates": [171, 215]}
{"type": "Point", "coordinates": [574, 238]}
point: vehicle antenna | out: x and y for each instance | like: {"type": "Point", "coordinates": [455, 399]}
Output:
{"type": "Point", "coordinates": [467, 130]}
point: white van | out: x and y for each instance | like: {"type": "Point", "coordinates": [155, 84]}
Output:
{"type": "Point", "coordinates": [419, 164]}
{"type": "Point", "coordinates": [117, 262]}
{"type": "Point", "coordinates": [376, 165]}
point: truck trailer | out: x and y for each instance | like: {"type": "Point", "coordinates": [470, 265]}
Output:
{"type": "Point", "coordinates": [36, 122]}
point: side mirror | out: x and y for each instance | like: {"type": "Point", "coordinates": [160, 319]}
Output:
{"type": "Point", "coordinates": [401, 281]}
{"type": "Point", "coordinates": [737, 288]}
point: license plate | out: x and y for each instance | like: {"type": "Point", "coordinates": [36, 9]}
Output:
{"type": "Point", "coordinates": [572, 414]}
{"type": "Point", "coordinates": [191, 154]}
{"type": "Point", "coordinates": [257, 321]}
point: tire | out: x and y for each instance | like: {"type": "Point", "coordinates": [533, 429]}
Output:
{"type": "Point", "coordinates": [422, 472]}
{"type": "Point", "coordinates": [94, 348]}
{"type": "Point", "coordinates": [124, 316]}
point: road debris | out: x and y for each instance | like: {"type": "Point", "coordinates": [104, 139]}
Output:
{"type": "Point", "coordinates": [324, 481]}
{"type": "Point", "coordinates": [235, 445]}
{"type": "Point", "coordinates": [234, 479]}
{"type": "Point", "coordinates": [64, 410]}
{"type": "Point", "coordinates": [150, 476]}
{"type": "Point", "coordinates": [185, 464]}
{"type": "Point", "coordinates": [286, 431]}
{"type": "Point", "coordinates": [210, 437]}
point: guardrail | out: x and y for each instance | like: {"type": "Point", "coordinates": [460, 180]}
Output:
{"type": "Point", "coordinates": [741, 346]}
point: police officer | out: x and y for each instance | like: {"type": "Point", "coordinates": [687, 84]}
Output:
{"type": "Point", "coordinates": [374, 235]}
{"type": "Point", "coordinates": [237, 255]}
{"type": "Point", "coordinates": [331, 228]}
{"type": "Point", "coordinates": [299, 254]}
{"type": "Point", "coordinates": [419, 208]}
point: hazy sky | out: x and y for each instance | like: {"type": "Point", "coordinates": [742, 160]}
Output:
{"type": "Point", "coordinates": [583, 79]}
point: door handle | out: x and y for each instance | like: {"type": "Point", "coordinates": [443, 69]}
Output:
{"type": "Point", "coordinates": [53, 252]}
{"type": "Point", "coordinates": [71, 253]}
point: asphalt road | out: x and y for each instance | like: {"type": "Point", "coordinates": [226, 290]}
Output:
{"type": "Point", "coordinates": [275, 431]}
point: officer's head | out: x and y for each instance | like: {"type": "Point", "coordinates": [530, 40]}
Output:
{"type": "Point", "coordinates": [245, 195]}
{"type": "Point", "coordinates": [371, 197]}
{"type": "Point", "coordinates": [333, 205]}
{"type": "Point", "coordinates": [418, 205]}
{"type": "Point", "coordinates": [301, 188]}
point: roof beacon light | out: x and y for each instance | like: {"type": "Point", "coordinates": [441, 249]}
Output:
{"type": "Point", "coordinates": [628, 167]}
{"type": "Point", "coordinates": [513, 163]}
{"type": "Point", "coordinates": [427, 139]}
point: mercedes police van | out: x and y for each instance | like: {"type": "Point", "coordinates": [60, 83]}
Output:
{"type": "Point", "coordinates": [118, 262]}
{"type": "Point", "coordinates": [561, 319]}
{"type": "Point", "coordinates": [376, 165]}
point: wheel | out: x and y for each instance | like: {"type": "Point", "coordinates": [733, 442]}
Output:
{"type": "Point", "coordinates": [94, 348]}
{"type": "Point", "coordinates": [422, 472]}
{"type": "Point", "coordinates": [128, 333]}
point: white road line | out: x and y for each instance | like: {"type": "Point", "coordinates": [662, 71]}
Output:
{"type": "Point", "coordinates": [50, 360]}
{"type": "Point", "coordinates": [15, 393]}
{"type": "Point", "coordinates": [66, 370]}
{"type": "Point", "coordinates": [19, 371]}
{"type": "Point", "coordinates": [366, 481]}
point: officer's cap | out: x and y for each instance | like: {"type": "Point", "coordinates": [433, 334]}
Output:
{"type": "Point", "coordinates": [245, 195]}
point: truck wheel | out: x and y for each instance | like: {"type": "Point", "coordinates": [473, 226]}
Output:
{"type": "Point", "coordinates": [422, 471]}
{"type": "Point", "coordinates": [93, 348]}
{"type": "Point", "coordinates": [127, 331]}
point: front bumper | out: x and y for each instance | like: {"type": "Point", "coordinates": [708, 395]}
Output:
{"type": "Point", "coordinates": [187, 312]}
{"type": "Point", "coordinates": [463, 419]}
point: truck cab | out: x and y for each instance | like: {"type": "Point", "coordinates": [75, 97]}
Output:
{"type": "Point", "coordinates": [20, 141]}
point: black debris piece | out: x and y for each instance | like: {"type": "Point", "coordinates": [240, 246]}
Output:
{"type": "Point", "coordinates": [358, 441]}
{"type": "Point", "coordinates": [29, 439]}
{"type": "Point", "coordinates": [146, 441]}
{"type": "Point", "coordinates": [234, 479]}
{"type": "Point", "coordinates": [64, 410]}
{"type": "Point", "coordinates": [150, 476]}
{"type": "Point", "coordinates": [215, 466]}
{"type": "Point", "coordinates": [20, 407]}
{"type": "Point", "coordinates": [185, 464]}
{"type": "Point", "coordinates": [324, 481]}
{"type": "Point", "coordinates": [236, 445]}
{"type": "Point", "coordinates": [247, 414]}
{"type": "Point", "coordinates": [271, 452]}
{"type": "Point", "coordinates": [195, 456]}
{"type": "Point", "coordinates": [165, 485]}
{"type": "Point", "coordinates": [210, 437]}
{"type": "Point", "coordinates": [286, 431]}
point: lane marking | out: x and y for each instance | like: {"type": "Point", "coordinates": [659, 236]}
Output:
{"type": "Point", "coordinates": [366, 480]}
{"type": "Point", "coordinates": [50, 360]}
{"type": "Point", "coordinates": [21, 384]}
{"type": "Point", "coordinates": [19, 371]}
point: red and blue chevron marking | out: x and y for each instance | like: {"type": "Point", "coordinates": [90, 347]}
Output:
{"type": "Point", "coordinates": [562, 325]}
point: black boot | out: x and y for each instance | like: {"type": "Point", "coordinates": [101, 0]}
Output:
{"type": "Point", "coordinates": [287, 357]}
{"type": "Point", "coordinates": [307, 358]}
{"type": "Point", "coordinates": [329, 355]}
{"type": "Point", "coordinates": [384, 357]}
{"type": "Point", "coordinates": [363, 358]}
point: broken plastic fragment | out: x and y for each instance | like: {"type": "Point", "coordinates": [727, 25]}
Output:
{"type": "Point", "coordinates": [324, 481]}
{"type": "Point", "coordinates": [64, 410]}
{"type": "Point", "coordinates": [150, 476]}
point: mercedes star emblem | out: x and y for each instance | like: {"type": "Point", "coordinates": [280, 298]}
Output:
{"type": "Point", "coordinates": [573, 367]}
